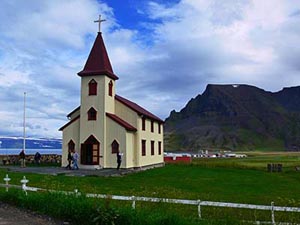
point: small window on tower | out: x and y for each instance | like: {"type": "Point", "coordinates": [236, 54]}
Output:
{"type": "Point", "coordinates": [92, 87]}
{"type": "Point", "coordinates": [92, 114]}
{"type": "Point", "coordinates": [110, 88]}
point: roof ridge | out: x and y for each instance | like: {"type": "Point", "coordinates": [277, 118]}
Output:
{"type": "Point", "coordinates": [121, 122]}
{"type": "Point", "coordinates": [137, 108]}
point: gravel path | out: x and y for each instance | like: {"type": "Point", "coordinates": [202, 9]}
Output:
{"type": "Point", "coordinates": [10, 215]}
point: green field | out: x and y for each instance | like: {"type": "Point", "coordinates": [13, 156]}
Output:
{"type": "Point", "coordinates": [243, 180]}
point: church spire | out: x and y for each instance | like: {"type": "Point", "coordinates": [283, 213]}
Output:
{"type": "Point", "coordinates": [98, 62]}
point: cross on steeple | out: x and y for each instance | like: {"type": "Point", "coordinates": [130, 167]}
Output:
{"type": "Point", "coordinates": [99, 21]}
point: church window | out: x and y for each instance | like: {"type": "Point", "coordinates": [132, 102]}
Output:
{"type": "Point", "coordinates": [143, 123]}
{"type": "Point", "coordinates": [110, 88]}
{"type": "Point", "coordinates": [92, 114]}
{"type": "Point", "coordinates": [71, 146]}
{"type": "Point", "coordinates": [159, 147]}
{"type": "Point", "coordinates": [114, 147]}
{"type": "Point", "coordinates": [92, 87]}
{"type": "Point", "coordinates": [152, 147]}
{"type": "Point", "coordinates": [143, 147]}
{"type": "Point", "coordinates": [152, 126]}
{"type": "Point", "coordinates": [159, 128]}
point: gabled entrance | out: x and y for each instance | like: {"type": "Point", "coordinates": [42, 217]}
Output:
{"type": "Point", "coordinates": [90, 151]}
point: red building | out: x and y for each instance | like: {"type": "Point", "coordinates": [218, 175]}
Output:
{"type": "Point", "coordinates": [177, 158]}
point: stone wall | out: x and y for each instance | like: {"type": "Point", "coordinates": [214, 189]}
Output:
{"type": "Point", "coordinates": [15, 159]}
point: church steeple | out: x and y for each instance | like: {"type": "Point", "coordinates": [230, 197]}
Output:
{"type": "Point", "coordinates": [98, 62]}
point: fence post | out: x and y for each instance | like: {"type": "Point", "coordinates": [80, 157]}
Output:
{"type": "Point", "coordinates": [199, 209]}
{"type": "Point", "coordinates": [272, 211]}
{"type": "Point", "coordinates": [133, 202]}
{"type": "Point", "coordinates": [76, 192]}
{"type": "Point", "coordinates": [24, 181]}
{"type": "Point", "coordinates": [6, 179]}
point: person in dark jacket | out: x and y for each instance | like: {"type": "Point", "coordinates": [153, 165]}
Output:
{"type": "Point", "coordinates": [119, 160]}
{"type": "Point", "coordinates": [22, 158]}
{"type": "Point", "coordinates": [37, 158]}
{"type": "Point", "coordinates": [70, 158]}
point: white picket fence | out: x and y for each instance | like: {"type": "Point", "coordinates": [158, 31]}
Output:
{"type": "Point", "coordinates": [272, 208]}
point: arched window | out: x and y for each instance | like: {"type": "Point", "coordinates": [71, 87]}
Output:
{"type": "Point", "coordinates": [92, 87]}
{"type": "Point", "coordinates": [110, 88]}
{"type": "Point", "coordinates": [71, 146]}
{"type": "Point", "coordinates": [92, 114]}
{"type": "Point", "coordinates": [114, 147]}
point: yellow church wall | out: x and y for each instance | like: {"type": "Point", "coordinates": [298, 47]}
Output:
{"type": "Point", "coordinates": [126, 113]}
{"type": "Point", "coordinates": [115, 132]}
{"type": "Point", "coordinates": [109, 100]}
{"type": "Point", "coordinates": [130, 157]}
{"type": "Point", "coordinates": [149, 136]}
{"type": "Point", "coordinates": [99, 102]}
{"type": "Point", "coordinates": [134, 119]}
{"type": "Point", "coordinates": [92, 127]}
{"type": "Point", "coordinates": [70, 132]}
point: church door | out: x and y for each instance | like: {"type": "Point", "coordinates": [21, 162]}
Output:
{"type": "Point", "coordinates": [90, 151]}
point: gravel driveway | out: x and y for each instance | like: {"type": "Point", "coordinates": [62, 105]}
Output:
{"type": "Point", "coordinates": [10, 215]}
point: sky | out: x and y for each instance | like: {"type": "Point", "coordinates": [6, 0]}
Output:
{"type": "Point", "coordinates": [164, 52]}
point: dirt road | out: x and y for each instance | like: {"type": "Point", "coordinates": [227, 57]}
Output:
{"type": "Point", "coordinates": [10, 215]}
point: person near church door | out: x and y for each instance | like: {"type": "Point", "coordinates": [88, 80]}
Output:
{"type": "Point", "coordinates": [119, 160]}
{"type": "Point", "coordinates": [75, 160]}
{"type": "Point", "coordinates": [69, 160]}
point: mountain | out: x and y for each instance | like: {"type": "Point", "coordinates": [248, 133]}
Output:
{"type": "Point", "coordinates": [236, 117]}
{"type": "Point", "coordinates": [31, 143]}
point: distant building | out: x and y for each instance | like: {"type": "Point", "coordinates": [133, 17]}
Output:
{"type": "Point", "coordinates": [177, 158]}
{"type": "Point", "coordinates": [106, 123]}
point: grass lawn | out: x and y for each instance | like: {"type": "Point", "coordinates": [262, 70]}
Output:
{"type": "Point", "coordinates": [243, 180]}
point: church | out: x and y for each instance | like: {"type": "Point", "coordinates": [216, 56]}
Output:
{"type": "Point", "coordinates": [106, 124]}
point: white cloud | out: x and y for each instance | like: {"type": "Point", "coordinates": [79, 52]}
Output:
{"type": "Point", "coordinates": [43, 44]}
{"type": "Point", "coordinates": [42, 47]}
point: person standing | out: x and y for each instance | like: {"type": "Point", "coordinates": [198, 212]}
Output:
{"type": "Point", "coordinates": [37, 158]}
{"type": "Point", "coordinates": [119, 160]}
{"type": "Point", "coordinates": [69, 160]}
{"type": "Point", "coordinates": [75, 160]}
{"type": "Point", "coordinates": [22, 158]}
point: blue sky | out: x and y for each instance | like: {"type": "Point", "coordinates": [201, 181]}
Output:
{"type": "Point", "coordinates": [164, 52]}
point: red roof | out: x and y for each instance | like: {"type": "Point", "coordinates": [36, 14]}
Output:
{"type": "Point", "coordinates": [67, 124]}
{"type": "Point", "coordinates": [122, 122]}
{"type": "Point", "coordinates": [98, 62]}
{"type": "Point", "coordinates": [135, 107]}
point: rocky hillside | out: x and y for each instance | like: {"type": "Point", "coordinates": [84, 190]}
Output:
{"type": "Point", "coordinates": [236, 117]}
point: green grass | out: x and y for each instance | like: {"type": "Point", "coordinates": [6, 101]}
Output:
{"type": "Point", "coordinates": [83, 211]}
{"type": "Point", "coordinates": [243, 180]}
{"type": "Point", "coordinates": [259, 142]}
